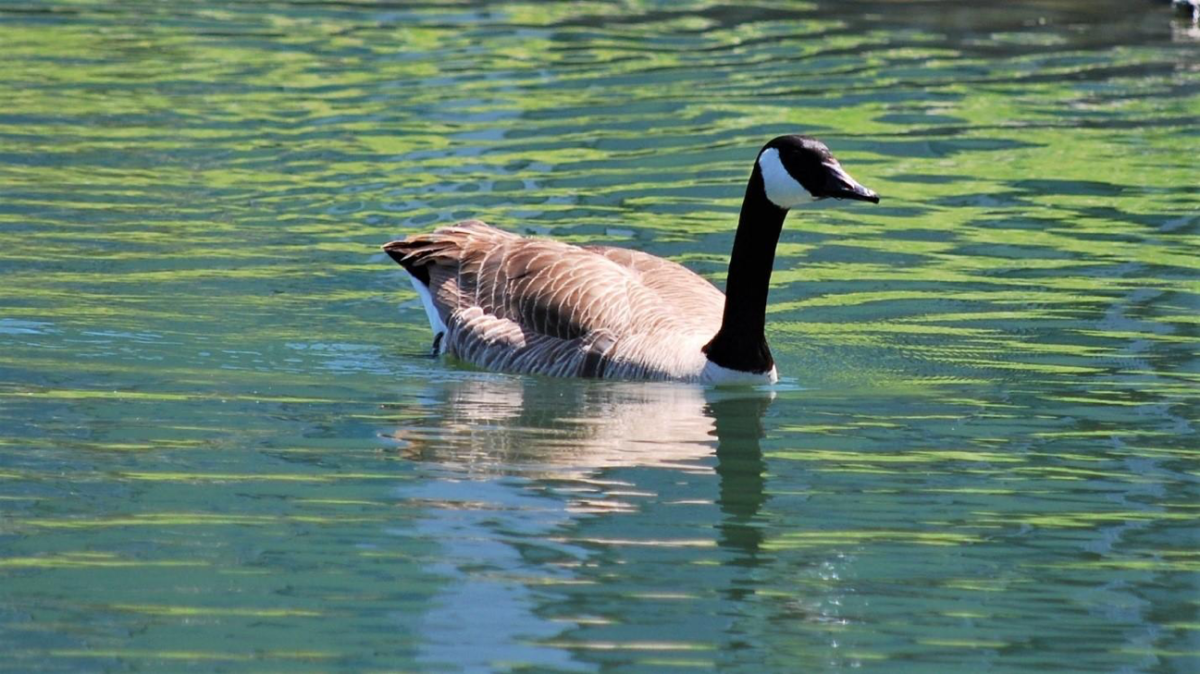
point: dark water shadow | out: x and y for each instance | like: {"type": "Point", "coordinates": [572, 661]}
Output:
{"type": "Point", "coordinates": [742, 470]}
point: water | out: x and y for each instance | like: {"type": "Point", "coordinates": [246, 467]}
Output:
{"type": "Point", "coordinates": [222, 448]}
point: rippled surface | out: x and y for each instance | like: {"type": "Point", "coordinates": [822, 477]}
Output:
{"type": "Point", "coordinates": [222, 449]}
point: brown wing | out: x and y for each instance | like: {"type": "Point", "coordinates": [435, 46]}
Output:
{"type": "Point", "coordinates": [536, 305]}
{"type": "Point", "coordinates": [692, 299]}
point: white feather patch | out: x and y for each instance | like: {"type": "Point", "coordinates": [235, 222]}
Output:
{"type": "Point", "coordinates": [782, 189]}
{"type": "Point", "coordinates": [435, 320]}
{"type": "Point", "coordinates": [715, 374]}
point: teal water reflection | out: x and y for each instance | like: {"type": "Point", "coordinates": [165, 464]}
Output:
{"type": "Point", "coordinates": [222, 448]}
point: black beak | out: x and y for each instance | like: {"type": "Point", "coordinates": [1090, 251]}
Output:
{"type": "Point", "coordinates": [840, 185]}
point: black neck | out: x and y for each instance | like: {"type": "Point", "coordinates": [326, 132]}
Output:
{"type": "Point", "coordinates": [741, 343]}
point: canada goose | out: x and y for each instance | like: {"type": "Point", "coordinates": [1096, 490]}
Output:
{"type": "Point", "coordinates": [514, 304]}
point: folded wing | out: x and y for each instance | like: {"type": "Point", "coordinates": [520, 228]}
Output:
{"type": "Point", "coordinates": [548, 307]}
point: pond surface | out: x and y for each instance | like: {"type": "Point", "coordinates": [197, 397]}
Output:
{"type": "Point", "coordinates": [223, 449]}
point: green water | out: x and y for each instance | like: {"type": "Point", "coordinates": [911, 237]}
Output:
{"type": "Point", "coordinates": [223, 449]}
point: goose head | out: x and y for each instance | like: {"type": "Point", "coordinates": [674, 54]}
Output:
{"type": "Point", "coordinates": [798, 169]}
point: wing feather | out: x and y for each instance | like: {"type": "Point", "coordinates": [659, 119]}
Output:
{"type": "Point", "coordinates": [541, 306]}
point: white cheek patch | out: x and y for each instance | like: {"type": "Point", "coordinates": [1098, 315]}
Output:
{"type": "Point", "coordinates": [782, 189]}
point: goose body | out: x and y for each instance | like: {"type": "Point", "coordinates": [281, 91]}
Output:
{"type": "Point", "coordinates": [537, 306]}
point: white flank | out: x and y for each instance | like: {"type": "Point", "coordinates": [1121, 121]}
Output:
{"type": "Point", "coordinates": [782, 189]}
{"type": "Point", "coordinates": [435, 321]}
{"type": "Point", "coordinates": [715, 374]}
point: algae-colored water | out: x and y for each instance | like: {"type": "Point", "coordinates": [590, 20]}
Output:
{"type": "Point", "coordinates": [223, 449]}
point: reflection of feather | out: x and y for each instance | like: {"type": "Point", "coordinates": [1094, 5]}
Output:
{"type": "Point", "coordinates": [500, 422]}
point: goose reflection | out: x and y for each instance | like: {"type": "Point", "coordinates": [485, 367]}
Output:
{"type": "Point", "coordinates": [543, 494]}
{"type": "Point", "coordinates": [564, 431]}
{"type": "Point", "coordinates": [510, 425]}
